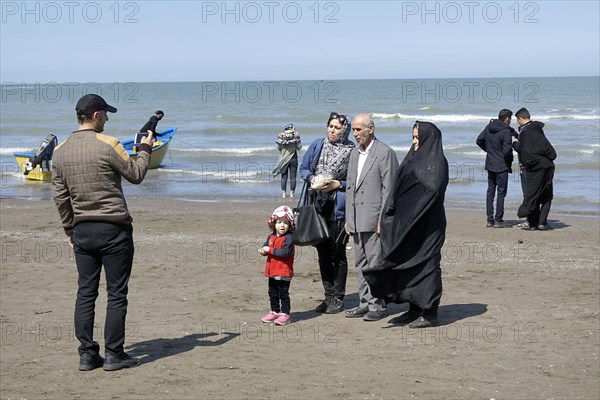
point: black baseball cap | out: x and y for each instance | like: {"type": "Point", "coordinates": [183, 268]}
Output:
{"type": "Point", "coordinates": [90, 103]}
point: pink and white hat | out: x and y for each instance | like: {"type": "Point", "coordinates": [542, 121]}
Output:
{"type": "Point", "coordinates": [281, 212]}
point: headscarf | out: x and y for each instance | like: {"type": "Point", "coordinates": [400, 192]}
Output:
{"type": "Point", "coordinates": [288, 136]}
{"type": "Point", "coordinates": [334, 157]}
{"type": "Point", "coordinates": [282, 212]}
{"type": "Point", "coordinates": [414, 221]}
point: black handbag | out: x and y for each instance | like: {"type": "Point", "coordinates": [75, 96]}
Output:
{"type": "Point", "coordinates": [311, 227]}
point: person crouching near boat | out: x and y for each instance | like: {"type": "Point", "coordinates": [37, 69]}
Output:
{"type": "Point", "coordinates": [152, 123]}
{"type": "Point", "coordinates": [279, 250]}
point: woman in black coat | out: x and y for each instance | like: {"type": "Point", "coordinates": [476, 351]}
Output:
{"type": "Point", "coordinates": [413, 231]}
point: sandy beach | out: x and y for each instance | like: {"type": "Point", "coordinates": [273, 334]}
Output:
{"type": "Point", "coordinates": [519, 315]}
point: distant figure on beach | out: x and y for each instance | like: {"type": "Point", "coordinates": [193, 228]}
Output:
{"type": "Point", "coordinates": [279, 250]}
{"type": "Point", "coordinates": [372, 169]}
{"type": "Point", "coordinates": [537, 156]}
{"type": "Point", "coordinates": [152, 123]}
{"type": "Point", "coordinates": [496, 141]}
{"type": "Point", "coordinates": [324, 168]}
{"type": "Point", "coordinates": [413, 230]}
{"type": "Point", "coordinates": [86, 176]}
{"type": "Point", "coordinates": [288, 143]}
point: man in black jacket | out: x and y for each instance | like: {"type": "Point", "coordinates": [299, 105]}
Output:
{"type": "Point", "coordinates": [496, 141]}
{"type": "Point", "coordinates": [524, 120]}
{"type": "Point", "coordinates": [536, 158]}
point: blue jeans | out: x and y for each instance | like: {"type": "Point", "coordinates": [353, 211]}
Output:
{"type": "Point", "coordinates": [497, 182]}
{"type": "Point", "coordinates": [111, 245]}
{"type": "Point", "coordinates": [293, 170]}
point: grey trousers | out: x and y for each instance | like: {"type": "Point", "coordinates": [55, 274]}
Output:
{"type": "Point", "coordinates": [367, 251]}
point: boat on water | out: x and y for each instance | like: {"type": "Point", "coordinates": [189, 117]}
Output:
{"type": "Point", "coordinates": [159, 150]}
{"type": "Point", "coordinates": [36, 174]}
{"type": "Point", "coordinates": [37, 165]}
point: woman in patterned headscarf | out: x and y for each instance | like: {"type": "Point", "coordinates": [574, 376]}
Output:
{"type": "Point", "coordinates": [324, 169]}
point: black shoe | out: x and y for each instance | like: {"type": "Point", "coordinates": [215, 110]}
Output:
{"type": "Point", "coordinates": [124, 360]}
{"type": "Point", "coordinates": [321, 308]}
{"type": "Point", "coordinates": [489, 225]}
{"type": "Point", "coordinates": [335, 306]}
{"type": "Point", "coordinates": [404, 319]}
{"type": "Point", "coordinates": [502, 224]}
{"type": "Point", "coordinates": [357, 312]}
{"type": "Point", "coordinates": [88, 362]}
{"type": "Point", "coordinates": [374, 315]}
{"type": "Point", "coordinates": [424, 322]}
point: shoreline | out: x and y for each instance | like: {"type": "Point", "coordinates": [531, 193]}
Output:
{"type": "Point", "coordinates": [450, 205]}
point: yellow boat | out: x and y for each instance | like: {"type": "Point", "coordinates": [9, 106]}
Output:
{"type": "Point", "coordinates": [38, 166]}
{"type": "Point", "coordinates": [35, 174]}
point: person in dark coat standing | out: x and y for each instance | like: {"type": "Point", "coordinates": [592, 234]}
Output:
{"type": "Point", "coordinates": [413, 231]}
{"type": "Point", "coordinates": [537, 156]}
{"type": "Point", "coordinates": [496, 141]}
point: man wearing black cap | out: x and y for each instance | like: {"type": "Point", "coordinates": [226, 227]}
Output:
{"type": "Point", "coordinates": [86, 176]}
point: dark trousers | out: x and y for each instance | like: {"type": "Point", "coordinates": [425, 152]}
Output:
{"type": "Point", "coordinates": [497, 182]}
{"type": "Point", "coordinates": [333, 265]}
{"type": "Point", "coordinates": [111, 245]}
{"type": "Point", "coordinates": [430, 312]}
{"type": "Point", "coordinates": [292, 169]}
{"type": "Point", "coordinates": [523, 181]}
{"type": "Point", "coordinates": [279, 295]}
{"type": "Point", "coordinates": [539, 216]}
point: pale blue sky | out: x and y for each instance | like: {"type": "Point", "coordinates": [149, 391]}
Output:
{"type": "Point", "coordinates": [86, 41]}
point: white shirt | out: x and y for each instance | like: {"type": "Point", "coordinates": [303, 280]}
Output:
{"type": "Point", "coordinates": [362, 158]}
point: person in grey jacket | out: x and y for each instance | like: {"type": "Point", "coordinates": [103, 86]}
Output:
{"type": "Point", "coordinates": [496, 141]}
{"type": "Point", "coordinates": [371, 172]}
{"type": "Point", "coordinates": [86, 176]}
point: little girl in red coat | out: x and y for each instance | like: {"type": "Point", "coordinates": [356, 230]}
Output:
{"type": "Point", "coordinates": [279, 249]}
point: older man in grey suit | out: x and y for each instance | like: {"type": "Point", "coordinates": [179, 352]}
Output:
{"type": "Point", "coordinates": [371, 172]}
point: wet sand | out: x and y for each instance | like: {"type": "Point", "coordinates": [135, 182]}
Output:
{"type": "Point", "coordinates": [519, 314]}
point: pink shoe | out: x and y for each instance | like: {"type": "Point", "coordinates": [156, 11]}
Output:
{"type": "Point", "coordinates": [270, 317]}
{"type": "Point", "coordinates": [283, 319]}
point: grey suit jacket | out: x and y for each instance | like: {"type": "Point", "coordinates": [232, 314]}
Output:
{"type": "Point", "coordinates": [365, 199]}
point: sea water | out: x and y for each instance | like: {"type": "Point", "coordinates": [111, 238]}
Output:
{"type": "Point", "coordinates": [224, 148]}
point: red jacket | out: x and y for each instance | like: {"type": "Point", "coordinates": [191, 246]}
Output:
{"type": "Point", "coordinates": [280, 260]}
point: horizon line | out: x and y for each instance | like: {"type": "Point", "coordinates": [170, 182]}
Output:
{"type": "Point", "coordinates": [315, 79]}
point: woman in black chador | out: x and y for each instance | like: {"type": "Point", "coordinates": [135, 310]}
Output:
{"type": "Point", "coordinates": [413, 231]}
